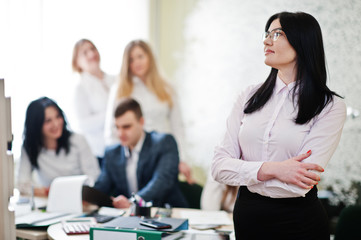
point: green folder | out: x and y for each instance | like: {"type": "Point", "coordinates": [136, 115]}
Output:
{"type": "Point", "coordinates": [99, 233]}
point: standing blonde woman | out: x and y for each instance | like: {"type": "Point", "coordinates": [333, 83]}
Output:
{"type": "Point", "coordinates": [91, 95]}
{"type": "Point", "coordinates": [141, 80]}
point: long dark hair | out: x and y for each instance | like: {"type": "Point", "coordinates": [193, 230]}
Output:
{"type": "Point", "coordinates": [33, 138]}
{"type": "Point", "coordinates": [304, 34]}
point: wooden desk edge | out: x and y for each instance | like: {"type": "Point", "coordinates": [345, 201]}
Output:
{"type": "Point", "coordinates": [33, 234]}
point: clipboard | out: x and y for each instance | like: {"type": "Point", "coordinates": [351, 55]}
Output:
{"type": "Point", "coordinates": [94, 196]}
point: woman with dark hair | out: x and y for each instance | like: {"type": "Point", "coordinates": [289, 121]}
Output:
{"type": "Point", "coordinates": [51, 149]}
{"type": "Point", "coordinates": [280, 136]}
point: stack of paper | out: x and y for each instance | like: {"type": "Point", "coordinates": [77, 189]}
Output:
{"type": "Point", "coordinates": [206, 219]}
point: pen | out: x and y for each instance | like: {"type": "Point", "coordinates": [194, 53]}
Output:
{"type": "Point", "coordinates": [141, 202]}
{"type": "Point", "coordinates": [136, 199]}
{"type": "Point", "coordinates": [133, 199]}
{"type": "Point", "coordinates": [32, 198]}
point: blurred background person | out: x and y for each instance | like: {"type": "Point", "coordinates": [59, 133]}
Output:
{"type": "Point", "coordinates": [218, 196]}
{"type": "Point", "coordinates": [91, 95]}
{"type": "Point", "coordinates": [140, 79]}
{"type": "Point", "coordinates": [51, 149]}
{"type": "Point", "coordinates": [144, 163]}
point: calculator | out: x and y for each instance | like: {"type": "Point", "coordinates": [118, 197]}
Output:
{"type": "Point", "coordinates": [76, 226]}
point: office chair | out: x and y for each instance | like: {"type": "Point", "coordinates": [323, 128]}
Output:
{"type": "Point", "coordinates": [192, 193]}
{"type": "Point", "coordinates": [349, 224]}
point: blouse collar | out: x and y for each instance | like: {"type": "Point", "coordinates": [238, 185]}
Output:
{"type": "Point", "coordinates": [280, 85]}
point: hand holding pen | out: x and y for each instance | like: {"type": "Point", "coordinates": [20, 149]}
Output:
{"type": "Point", "coordinates": [140, 207]}
{"type": "Point", "coordinates": [139, 201]}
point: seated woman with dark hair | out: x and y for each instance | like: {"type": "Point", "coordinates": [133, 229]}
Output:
{"type": "Point", "coordinates": [51, 149]}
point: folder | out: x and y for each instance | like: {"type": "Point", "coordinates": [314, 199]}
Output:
{"type": "Point", "coordinates": [100, 233]}
{"type": "Point", "coordinates": [133, 222]}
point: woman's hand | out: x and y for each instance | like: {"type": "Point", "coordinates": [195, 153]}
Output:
{"type": "Point", "coordinates": [41, 191]}
{"type": "Point", "coordinates": [292, 171]}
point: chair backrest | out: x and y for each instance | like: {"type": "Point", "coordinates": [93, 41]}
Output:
{"type": "Point", "coordinates": [192, 193]}
{"type": "Point", "coordinates": [349, 224]}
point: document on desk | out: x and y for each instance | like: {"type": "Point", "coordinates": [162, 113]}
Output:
{"type": "Point", "coordinates": [65, 194]}
{"type": "Point", "coordinates": [186, 235]}
{"type": "Point", "coordinates": [41, 219]}
{"type": "Point", "coordinates": [198, 217]}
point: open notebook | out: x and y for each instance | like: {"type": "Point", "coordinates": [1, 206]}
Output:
{"type": "Point", "coordinates": [64, 201]}
{"type": "Point", "coordinates": [41, 219]}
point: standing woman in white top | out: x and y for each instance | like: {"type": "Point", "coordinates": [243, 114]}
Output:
{"type": "Point", "coordinates": [91, 95]}
{"type": "Point", "coordinates": [141, 80]}
{"type": "Point", "coordinates": [280, 136]}
{"type": "Point", "coordinates": [51, 149]}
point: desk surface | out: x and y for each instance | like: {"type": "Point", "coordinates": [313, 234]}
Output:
{"type": "Point", "coordinates": [42, 234]}
{"type": "Point", "coordinates": [55, 232]}
{"type": "Point", "coordinates": [32, 234]}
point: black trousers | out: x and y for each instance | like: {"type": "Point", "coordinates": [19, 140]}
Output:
{"type": "Point", "coordinates": [258, 217]}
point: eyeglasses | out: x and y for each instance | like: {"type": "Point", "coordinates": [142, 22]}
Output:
{"type": "Point", "coordinates": [274, 34]}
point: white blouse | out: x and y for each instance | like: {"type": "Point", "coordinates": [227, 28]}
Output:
{"type": "Point", "coordinates": [270, 134]}
{"type": "Point", "coordinates": [78, 161]}
{"type": "Point", "coordinates": [90, 101]}
{"type": "Point", "coordinates": [158, 115]}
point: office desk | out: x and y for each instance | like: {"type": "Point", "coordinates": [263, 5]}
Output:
{"type": "Point", "coordinates": [55, 232]}
{"type": "Point", "coordinates": [42, 234]}
{"type": "Point", "coordinates": [34, 234]}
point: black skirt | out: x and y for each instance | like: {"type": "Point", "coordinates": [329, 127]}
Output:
{"type": "Point", "coordinates": [258, 217]}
